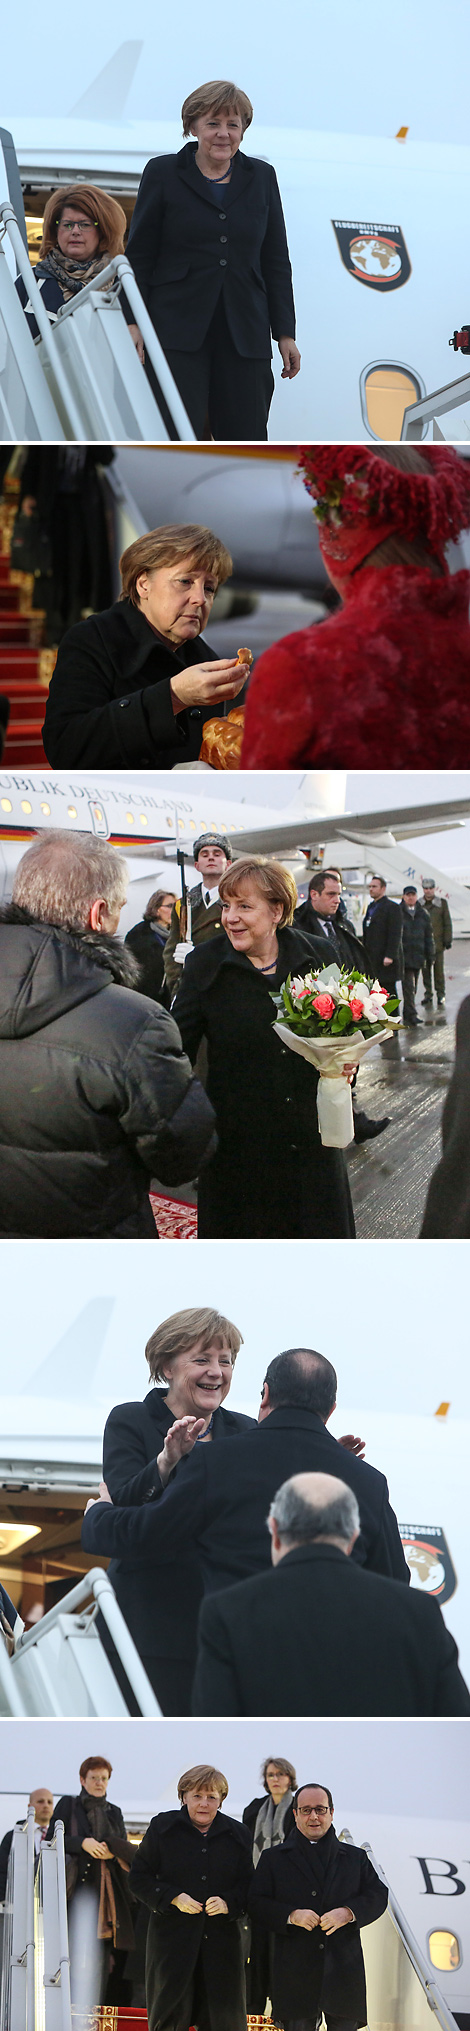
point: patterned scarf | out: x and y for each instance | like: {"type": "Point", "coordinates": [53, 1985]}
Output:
{"type": "Point", "coordinates": [269, 1829]}
{"type": "Point", "coordinates": [71, 275]}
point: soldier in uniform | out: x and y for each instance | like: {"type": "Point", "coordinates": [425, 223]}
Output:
{"type": "Point", "coordinates": [211, 856]}
{"type": "Point", "coordinates": [441, 923]}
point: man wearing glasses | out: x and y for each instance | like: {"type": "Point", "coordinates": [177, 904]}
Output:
{"type": "Point", "coordinates": [314, 1894]}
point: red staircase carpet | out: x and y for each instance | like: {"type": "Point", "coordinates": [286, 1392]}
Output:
{"type": "Point", "coordinates": [25, 670]}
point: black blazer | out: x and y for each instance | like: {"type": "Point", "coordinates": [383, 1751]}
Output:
{"type": "Point", "coordinates": [311, 1970]}
{"type": "Point", "coordinates": [383, 937]}
{"type": "Point", "coordinates": [384, 1648]}
{"type": "Point", "coordinates": [110, 702]}
{"type": "Point", "coordinates": [221, 1509]}
{"type": "Point", "coordinates": [191, 241]}
{"type": "Point", "coordinates": [447, 1211]}
{"type": "Point", "coordinates": [343, 947]}
{"type": "Point", "coordinates": [271, 1175]}
{"type": "Point", "coordinates": [160, 1602]}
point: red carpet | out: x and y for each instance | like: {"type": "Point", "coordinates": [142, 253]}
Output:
{"type": "Point", "coordinates": [25, 668]}
{"type": "Point", "coordinates": [174, 1219]}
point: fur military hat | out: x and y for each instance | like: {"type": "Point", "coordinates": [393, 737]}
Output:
{"type": "Point", "coordinates": [212, 839]}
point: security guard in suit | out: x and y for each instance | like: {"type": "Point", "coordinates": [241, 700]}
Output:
{"type": "Point", "coordinates": [211, 855]}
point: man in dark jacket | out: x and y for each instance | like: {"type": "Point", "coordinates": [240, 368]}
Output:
{"type": "Point", "coordinates": [147, 941]}
{"type": "Point", "coordinates": [123, 693]}
{"type": "Point", "coordinates": [418, 947]}
{"type": "Point", "coordinates": [352, 1642]}
{"type": "Point", "coordinates": [382, 934]}
{"type": "Point", "coordinates": [96, 1095]}
{"type": "Point", "coordinates": [221, 1498]}
{"type": "Point", "coordinates": [211, 855]}
{"type": "Point", "coordinates": [43, 1807]}
{"type": "Point", "coordinates": [319, 915]}
{"type": "Point", "coordinates": [315, 1893]}
{"type": "Point", "coordinates": [441, 925]}
{"type": "Point", "coordinates": [447, 1212]}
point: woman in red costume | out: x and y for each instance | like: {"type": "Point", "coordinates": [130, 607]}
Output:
{"type": "Point", "coordinates": [385, 682]}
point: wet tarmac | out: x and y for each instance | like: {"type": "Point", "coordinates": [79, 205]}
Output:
{"type": "Point", "coordinates": [408, 1079]}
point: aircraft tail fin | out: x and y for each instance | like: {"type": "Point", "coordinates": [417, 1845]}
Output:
{"type": "Point", "coordinates": [106, 97]}
{"type": "Point", "coordinates": [69, 1368]}
{"type": "Point", "coordinates": [320, 790]}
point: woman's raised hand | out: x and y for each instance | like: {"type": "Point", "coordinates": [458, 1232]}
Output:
{"type": "Point", "coordinates": [208, 683]}
{"type": "Point", "coordinates": [179, 1440]}
{"type": "Point", "coordinates": [185, 1903]}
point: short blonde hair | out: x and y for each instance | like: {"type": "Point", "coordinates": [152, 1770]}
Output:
{"type": "Point", "coordinates": [272, 881]}
{"type": "Point", "coordinates": [201, 1775]}
{"type": "Point", "coordinates": [63, 873]}
{"type": "Point", "coordinates": [183, 1330]}
{"type": "Point", "coordinates": [212, 98]}
{"type": "Point", "coordinates": [101, 210]}
{"type": "Point", "coordinates": [167, 546]}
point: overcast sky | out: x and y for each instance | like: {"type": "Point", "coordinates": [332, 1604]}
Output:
{"type": "Point", "coordinates": [359, 69]}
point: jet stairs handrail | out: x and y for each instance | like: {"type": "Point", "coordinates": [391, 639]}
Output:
{"type": "Point", "coordinates": [431, 1992]}
{"type": "Point", "coordinates": [51, 1672]}
{"type": "Point", "coordinates": [52, 1958]}
{"type": "Point", "coordinates": [17, 2000]}
{"type": "Point", "coordinates": [452, 396]}
{"type": "Point", "coordinates": [82, 380]}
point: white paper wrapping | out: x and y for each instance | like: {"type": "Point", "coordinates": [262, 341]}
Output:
{"type": "Point", "coordinates": [329, 1055]}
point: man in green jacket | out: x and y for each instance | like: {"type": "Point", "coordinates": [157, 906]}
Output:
{"type": "Point", "coordinates": [441, 922]}
{"type": "Point", "coordinates": [211, 855]}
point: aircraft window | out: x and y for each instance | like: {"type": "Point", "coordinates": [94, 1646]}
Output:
{"type": "Point", "coordinates": [386, 390]}
{"type": "Point", "coordinates": [6, 805]}
{"type": "Point", "coordinates": [46, 809]}
{"type": "Point", "coordinates": [25, 806]}
{"type": "Point", "coordinates": [71, 812]}
{"type": "Point", "coordinates": [143, 819]}
{"type": "Point", "coordinates": [444, 1951]}
{"type": "Point", "coordinates": [181, 824]}
{"type": "Point", "coordinates": [192, 826]}
{"type": "Point", "coordinates": [98, 814]}
{"type": "Point", "coordinates": [130, 817]}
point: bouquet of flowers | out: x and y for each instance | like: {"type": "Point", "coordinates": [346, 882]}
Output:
{"type": "Point", "coordinates": [332, 1017]}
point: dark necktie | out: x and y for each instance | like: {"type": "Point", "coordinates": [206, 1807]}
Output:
{"type": "Point", "coordinates": [207, 898]}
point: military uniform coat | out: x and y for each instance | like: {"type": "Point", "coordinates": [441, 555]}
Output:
{"type": "Point", "coordinates": [271, 1176]}
{"type": "Point", "coordinates": [205, 922]}
{"type": "Point", "coordinates": [174, 1856]}
{"type": "Point", "coordinates": [441, 923]}
{"type": "Point", "coordinates": [311, 1971]}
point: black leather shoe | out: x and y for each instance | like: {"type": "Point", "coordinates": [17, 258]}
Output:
{"type": "Point", "coordinates": [365, 1130]}
{"type": "Point", "coordinates": [413, 1022]}
{"type": "Point", "coordinates": [426, 1001]}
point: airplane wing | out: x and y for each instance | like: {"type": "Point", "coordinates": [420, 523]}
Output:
{"type": "Point", "coordinates": [383, 828]}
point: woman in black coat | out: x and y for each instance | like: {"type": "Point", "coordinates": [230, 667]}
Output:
{"type": "Point", "coordinates": [209, 251]}
{"type": "Point", "coordinates": [125, 690]}
{"type": "Point", "coordinates": [62, 508]}
{"type": "Point", "coordinates": [147, 941]}
{"type": "Point", "coordinates": [271, 1175]}
{"type": "Point", "coordinates": [98, 1859]}
{"type": "Point", "coordinates": [191, 1356]}
{"type": "Point", "coordinates": [193, 1869]}
{"type": "Point", "coordinates": [269, 1819]}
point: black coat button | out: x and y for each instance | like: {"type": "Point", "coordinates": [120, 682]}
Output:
{"type": "Point", "coordinates": [222, 215]}
{"type": "Point", "coordinates": [223, 239]}
{"type": "Point", "coordinates": [222, 264]}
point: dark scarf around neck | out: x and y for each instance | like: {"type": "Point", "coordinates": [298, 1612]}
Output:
{"type": "Point", "coordinates": [71, 275]}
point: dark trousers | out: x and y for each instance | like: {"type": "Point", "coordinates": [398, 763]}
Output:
{"type": "Point", "coordinates": [227, 398]}
{"type": "Point", "coordinates": [439, 977]}
{"type": "Point", "coordinates": [410, 983]}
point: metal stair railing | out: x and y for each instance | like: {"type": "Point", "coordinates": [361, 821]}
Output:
{"type": "Point", "coordinates": [396, 1968]}
{"type": "Point", "coordinates": [82, 380]}
{"type": "Point", "coordinates": [60, 1666]}
{"type": "Point", "coordinates": [52, 1959]}
{"type": "Point", "coordinates": [427, 411]}
{"type": "Point", "coordinates": [17, 2004]}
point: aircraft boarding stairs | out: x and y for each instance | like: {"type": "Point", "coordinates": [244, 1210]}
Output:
{"type": "Point", "coordinates": [61, 1667]}
{"type": "Point", "coordinates": [82, 381]}
{"type": "Point", "coordinates": [35, 1992]}
{"type": "Point", "coordinates": [400, 1988]}
{"type": "Point", "coordinates": [455, 396]}
{"type": "Point", "coordinates": [36, 1970]}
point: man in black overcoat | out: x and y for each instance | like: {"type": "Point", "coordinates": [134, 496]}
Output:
{"type": "Point", "coordinates": [319, 915]}
{"type": "Point", "coordinates": [315, 1893]}
{"type": "Point", "coordinates": [418, 950]}
{"type": "Point", "coordinates": [221, 1497]}
{"type": "Point", "coordinates": [194, 1870]}
{"type": "Point", "coordinates": [319, 1634]}
{"type": "Point", "coordinates": [382, 934]}
{"type": "Point", "coordinates": [447, 1211]}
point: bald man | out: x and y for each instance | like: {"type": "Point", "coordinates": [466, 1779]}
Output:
{"type": "Point", "coordinates": [43, 1808]}
{"type": "Point", "coordinates": [319, 1634]}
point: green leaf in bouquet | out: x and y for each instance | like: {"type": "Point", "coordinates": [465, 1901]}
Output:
{"type": "Point", "coordinates": [342, 1020]}
{"type": "Point", "coordinates": [390, 1006]}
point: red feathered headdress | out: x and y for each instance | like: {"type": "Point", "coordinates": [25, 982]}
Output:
{"type": "Point", "coordinates": [359, 500]}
